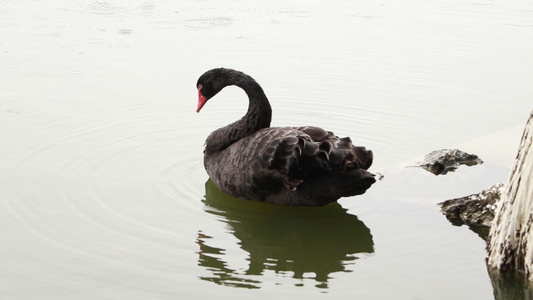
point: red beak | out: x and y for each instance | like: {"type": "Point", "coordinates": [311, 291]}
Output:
{"type": "Point", "coordinates": [201, 100]}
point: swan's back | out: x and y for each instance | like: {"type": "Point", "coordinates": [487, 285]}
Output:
{"type": "Point", "coordinates": [291, 166]}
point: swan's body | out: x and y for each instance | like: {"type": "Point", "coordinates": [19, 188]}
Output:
{"type": "Point", "coordinates": [280, 165]}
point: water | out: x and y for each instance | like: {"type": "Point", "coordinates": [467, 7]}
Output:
{"type": "Point", "coordinates": [103, 192]}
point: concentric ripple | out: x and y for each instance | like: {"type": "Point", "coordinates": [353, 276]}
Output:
{"type": "Point", "coordinates": [112, 185]}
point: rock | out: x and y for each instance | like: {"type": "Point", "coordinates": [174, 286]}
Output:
{"type": "Point", "coordinates": [443, 161]}
{"type": "Point", "coordinates": [476, 211]}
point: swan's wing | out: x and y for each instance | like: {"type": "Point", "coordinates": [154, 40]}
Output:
{"type": "Point", "coordinates": [341, 152]}
{"type": "Point", "coordinates": [289, 155]}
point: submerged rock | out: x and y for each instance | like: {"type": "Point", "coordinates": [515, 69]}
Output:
{"type": "Point", "coordinates": [476, 211]}
{"type": "Point", "coordinates": [443, 161]}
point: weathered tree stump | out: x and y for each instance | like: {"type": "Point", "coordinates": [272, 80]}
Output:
{"type": "Point", "coordinates": [510, 245]}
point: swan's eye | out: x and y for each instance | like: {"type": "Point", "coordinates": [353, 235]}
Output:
{"type": "Point", "coordinates": [199, 86]}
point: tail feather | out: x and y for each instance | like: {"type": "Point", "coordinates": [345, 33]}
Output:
{"type": "Point", "coordinates": [311, 155]}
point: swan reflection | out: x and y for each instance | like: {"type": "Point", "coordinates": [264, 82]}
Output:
{"type": "Point", "coordinates": [297, 242]}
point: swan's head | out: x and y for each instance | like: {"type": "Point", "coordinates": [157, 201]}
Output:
{"type": "Point", "coordinates": [209, 84]}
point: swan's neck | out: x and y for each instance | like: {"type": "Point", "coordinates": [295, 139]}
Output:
{"type": "Point", "coordinates": [258, 116]}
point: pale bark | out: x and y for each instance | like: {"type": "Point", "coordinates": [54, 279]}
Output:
{"type": "Point", "coordinates": [510, 245]}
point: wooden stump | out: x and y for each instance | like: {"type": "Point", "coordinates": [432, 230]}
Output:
{"type": "Point", "coordinates": [510, 245]}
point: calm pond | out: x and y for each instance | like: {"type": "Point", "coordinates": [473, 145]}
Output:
{"type": "Point", "coordinates": [103, 191]}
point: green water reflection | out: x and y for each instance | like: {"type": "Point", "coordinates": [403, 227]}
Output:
{"type": "Point", "coordinates": [307, 243]}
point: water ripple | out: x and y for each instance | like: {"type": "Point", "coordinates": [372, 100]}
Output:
{"type": "Point", "coordinates": [208, 23]}
{"type": "Point", "coordinates": [518, 18]}
{"type": "Point", "coordinates": [112, 186]}
{"type": "Point", "coordinates": [2, 157]}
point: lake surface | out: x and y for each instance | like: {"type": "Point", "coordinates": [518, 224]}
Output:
{"type": "Point", "coordinates": [103, 192]}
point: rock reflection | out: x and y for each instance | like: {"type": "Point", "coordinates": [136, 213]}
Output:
{"type": "Point", "coordinates": [292, 242]}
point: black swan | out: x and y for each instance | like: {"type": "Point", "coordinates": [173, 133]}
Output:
{"type": "Point", "coordinates": [280, 165]}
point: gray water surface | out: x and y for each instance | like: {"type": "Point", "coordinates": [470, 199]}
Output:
{"type": "Point", "coordinates": [103, 193]}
